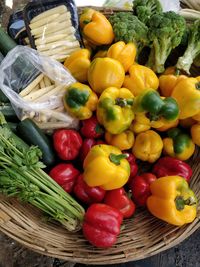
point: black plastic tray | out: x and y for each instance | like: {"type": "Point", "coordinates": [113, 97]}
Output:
{"type": "Point", "coordinates": [32, 9]}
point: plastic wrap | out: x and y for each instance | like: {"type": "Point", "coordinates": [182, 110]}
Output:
{"type": "Point", "coordinates": [19, 70]}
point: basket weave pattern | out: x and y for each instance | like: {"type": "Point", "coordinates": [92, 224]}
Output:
{"type": "Point", "coordinates": [142, 236]}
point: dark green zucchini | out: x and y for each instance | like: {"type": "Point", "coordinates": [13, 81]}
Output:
{"type": "Point", "coordinates": [3, 98]}
{"type": "Point", "coordinates": [33, 135]}
{"type": "Point", "coordinates": [6, 42]}
{"type": "Point", "coordinates": [8, 112]}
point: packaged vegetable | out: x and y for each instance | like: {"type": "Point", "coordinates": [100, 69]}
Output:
{"type": "Point", "coordinates": [35, 86]}
{"type": "Point", "coordinates": [52, 27]}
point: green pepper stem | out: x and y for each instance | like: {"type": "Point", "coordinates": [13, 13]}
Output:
{"type": "Point", "coordinates": [122, 102]}
{"type": "Point", "coordinates": [116, 158]}
{"type": "Point", "coordinates": [181, 202]}
{"type": "Point", "coordinates": [197, 85]}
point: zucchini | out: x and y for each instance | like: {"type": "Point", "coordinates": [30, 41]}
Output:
{"type": "Point", "coordinates": [6, 42]}
{"type": "Point", "coordinates": [12, 126]}
{"type": "Point", "coordinates": [33, 135]}
{"type": "Point", "coordinates": [3, 97]}
{"type": "Point", "coordinates": [8, 112]}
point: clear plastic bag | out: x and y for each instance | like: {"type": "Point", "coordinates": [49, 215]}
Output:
{"type": "Point", "coordinates": [20, 72]}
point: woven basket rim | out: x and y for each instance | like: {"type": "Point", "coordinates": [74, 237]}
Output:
{"type": "Point", "coordinates": [21, 223]}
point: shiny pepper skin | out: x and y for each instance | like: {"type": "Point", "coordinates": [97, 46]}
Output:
{"type": "Point", "coordinates": [123, 141]}
{"type": "Point", "coordinates": [67, 143]}
{"type": "Point", "coordinates": [105, 72]}
{"type": "Point", "coordinates": [78, 64]}
{"type": "Point", "coordinates": [148, 146]}
{"type": "Point", "coordinates": [140, 78]}
{"type": "Point", "coordinates": [95, 27]}
{"type": "Point", "coordinates": [91, 128]}
{"type": "Point", "coordinates": [119, 199]}
{"type": "Point", "coordinates": [124, 53]}
{"type": "Point", "coordinates": [87, 194]}
{"type": "Point", "coordinates": [172, 200]}
{"type": "Point", "coordinates": [101, 225]}
{"type": "Point", "coordinates": [140, 187]}
{"type": "Point", "coordinates": [65, 174]}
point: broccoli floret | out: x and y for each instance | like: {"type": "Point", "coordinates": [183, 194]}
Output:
{"type": "Point", "coordinates": [144, 9]}
{"type": "Point", "coordinates": [129, 28]}
{"type": "Point", "coordinates": [165, 32]}
{"type": "Point", "coordinates": [193, 48]}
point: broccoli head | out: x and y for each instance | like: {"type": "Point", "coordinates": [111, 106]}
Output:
{"type": "Point", "coordinates": [144, 9]}
{"type": "Point", "coordinates": [193, 48]}
{"type": "Point", "coordinates": [129, 28]}
{"type": "Point", "coordinates": [165, 33]}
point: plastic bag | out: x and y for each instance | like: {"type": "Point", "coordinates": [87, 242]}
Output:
{"type": "Point", "coordinates": [20, 72]}
{"type": "Point", "coordinates": [172, 5]}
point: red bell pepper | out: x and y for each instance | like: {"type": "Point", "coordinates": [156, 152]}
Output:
{"type": "Point", "coordinates": [119, 199]}
{"type": "Point", "coordinates": [140, 188]}
{"type": "Point", "coordinates": [87, 194]}
{"type": "Point", "coordinates": [101, 225]}
{"type": "Point", "coordinates": [91, 128]}
{"type": "Point", "coordinates": [167, 166]}
{"type": "Point", "coordinates": [65, 175]}
{"type": "Point", "coordinates": [67, 143]}
{"type": "Point", "coordinates": [88, 143]}
{"type": "Point", "coordinates": [133, 165]}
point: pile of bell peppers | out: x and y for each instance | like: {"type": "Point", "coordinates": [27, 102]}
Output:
{"type": "Point", "coordinates": [129, 118]}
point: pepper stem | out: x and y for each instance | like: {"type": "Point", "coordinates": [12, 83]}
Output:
{"type": "Point", "coordinates": [181, 202]}
{"type": "Point", "coordinates": [116, 158]}
{"type": "Point", "coordinates": [197, 85]}
{"type": "Point", "coordinates": [122, 102]}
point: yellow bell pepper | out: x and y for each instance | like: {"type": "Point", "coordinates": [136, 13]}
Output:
{"type": "Point", "coordinates": [195, 133]}
{"type": "Point", "coordinates": [148, 146]}
{"type": "Point", "coordinates": [106, 166]}
{"type": "Point", "coordinates": [96, 28]}
{"type": "Point", "coordinates": [140, 78]}
{"type": "Point", "coordinates": [123, 141]}
{"type": "Point", "coordinates": [124, 53]}
{"type": "Point", "coordinates": [114, 109]}
{"type": "Point", "coordinates": [105, 72]}
{"type": "Point", "coordinates": [187, 94]}
{"type": "Point", "coordinates": [178, 145]}
{"type": "Point", "coordinates": [80, 101]}
{"type": "Point", "coordinates": [168, 80]}
{"type": "Point", "coordinates": [168, 125]}
{"type": "Point", "coordinates": [140, 123]}
{"type": "Point", "coordinates": [172, 200]}
{"type": "Point", "coordinates": [78, 64]}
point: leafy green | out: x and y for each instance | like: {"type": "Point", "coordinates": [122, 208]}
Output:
{"type": "Point", "coordinates": [21, 176]}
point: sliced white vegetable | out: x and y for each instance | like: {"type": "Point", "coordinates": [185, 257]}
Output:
{"type": "Point", "coordinates": [69, 30]}
{"type": "Point", "coordinates": [51, 27]}
{"type": "Point", "coordinates": [59, 9]}
{"type": "Point", "coordinates": [59, 50]}
{"type": "Point", "coordinates": [61, 18]}
{"type": "Point", "coordinates": [58, 90]}
{"type": "Point", "coordinates": [42, 84]}
{"type": "Point", "coordinates": [67, 44]}
{"type": "Point", "coordinates": [39, 93]}
{"type": "Point", "coordinates": [44, 21]}
{"type": "Point", "coordinates": [50, 39]}
{"type": "Point", "coordinates": [60, 116]}
{"type": "Point", "coordinates": [32, 85]}
{"type": "Point", "coordinates": [47, 81]}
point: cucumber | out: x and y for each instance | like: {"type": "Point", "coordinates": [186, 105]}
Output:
{"type": "Point", "coordinates": [8, 112]}
{"type": "Point", "coordinates": [3, 97]}
{"type": "Point", "coordinates": [33, 135]}
{"type": "Point", "coordinates": [6, 42]}
{"type": "Point", "coordinates": [12, 126]}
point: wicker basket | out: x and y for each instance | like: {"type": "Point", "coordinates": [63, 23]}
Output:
{"type": "Point", "coordinates": [142, 236]}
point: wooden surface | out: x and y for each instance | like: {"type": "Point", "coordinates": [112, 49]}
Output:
{"type": "Point", "coordinates": [187, 254]}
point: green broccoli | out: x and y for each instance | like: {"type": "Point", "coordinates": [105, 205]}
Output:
{"type": "Point", "coordinates": [165, 32]}
{"type": "Point", "coordinates": [144, 9]}
{"type": "Point", "coordinates": [193, 48]}
{"type": "Point", "coordinates": [129, 28]}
